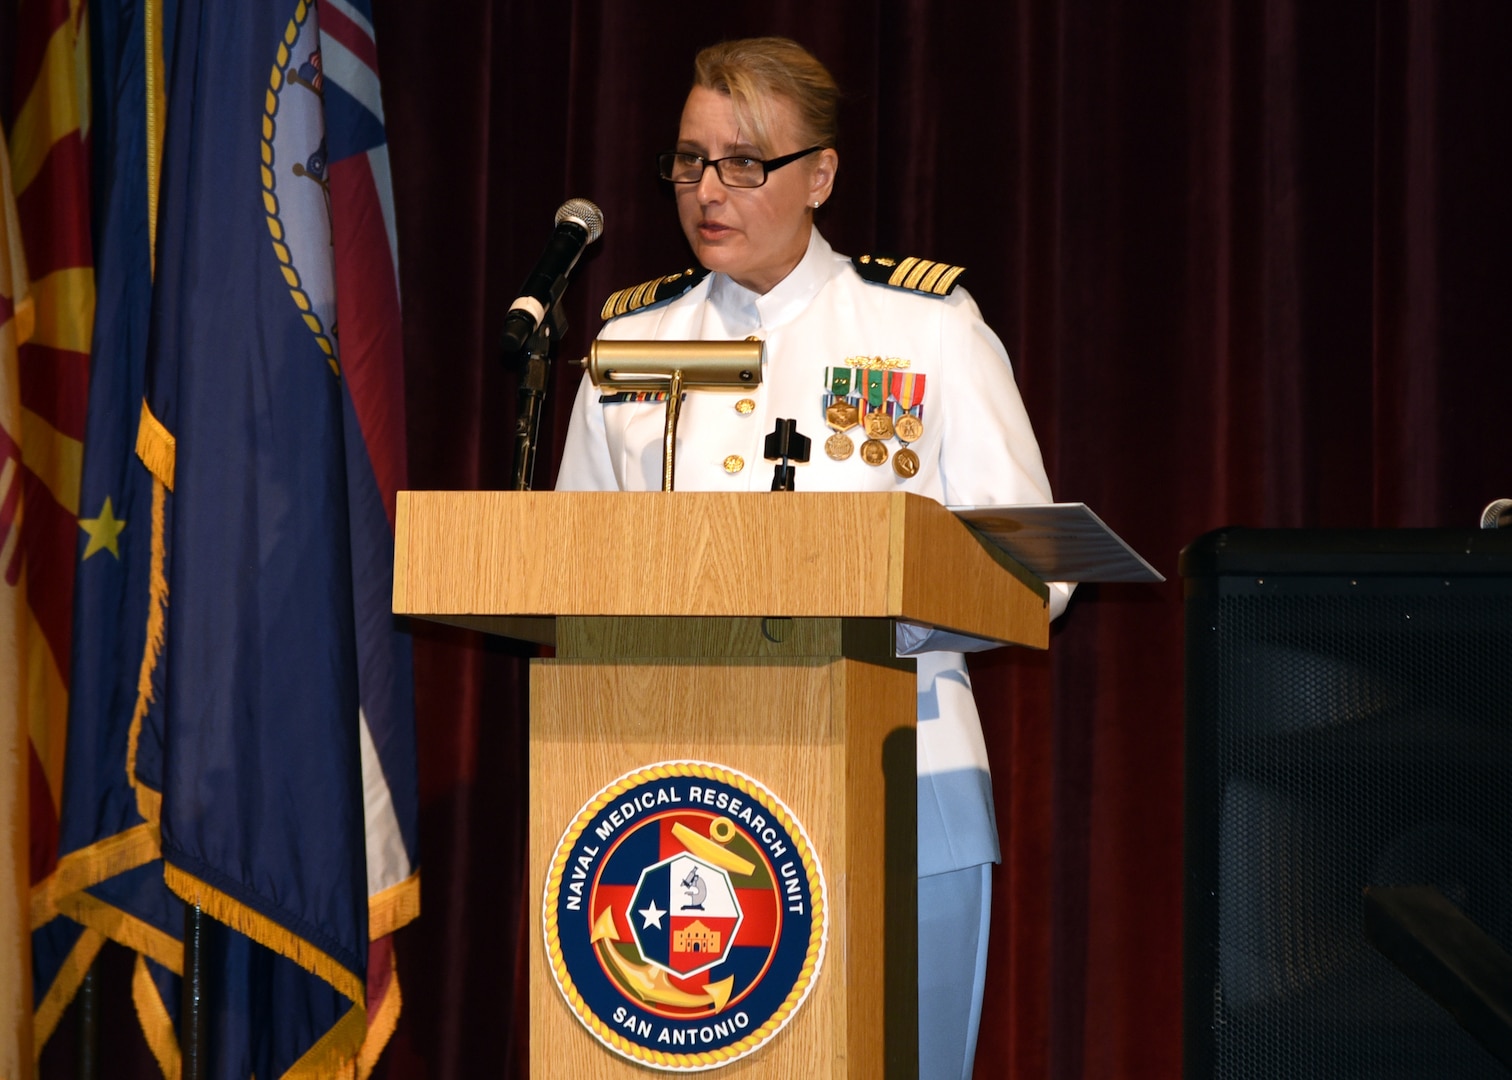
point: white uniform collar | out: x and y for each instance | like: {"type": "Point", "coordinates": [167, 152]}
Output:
{"type": "Point", "coordinates": [746, 312]}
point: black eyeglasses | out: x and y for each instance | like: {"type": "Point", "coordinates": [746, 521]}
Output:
{"type": "Point", "coordinates": [736, 172]}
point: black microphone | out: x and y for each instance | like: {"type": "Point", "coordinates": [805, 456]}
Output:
{"type": "Point", "coordinates": [578, 224]}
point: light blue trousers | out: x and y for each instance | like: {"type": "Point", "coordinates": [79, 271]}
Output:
{"type": "Point", "coordinates": [955, 912]}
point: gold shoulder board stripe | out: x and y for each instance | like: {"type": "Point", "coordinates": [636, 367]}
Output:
{"type": "Point", "coordinates": [919, 275]}
{"type": "Point", "coordinates": [650, 292]}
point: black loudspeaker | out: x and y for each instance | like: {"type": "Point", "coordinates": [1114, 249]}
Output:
{"type": "Point", "coordinates": [1348, 724]}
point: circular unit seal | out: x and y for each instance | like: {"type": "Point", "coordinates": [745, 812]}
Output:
{"type": "Point", "coordinates": [684, 915]}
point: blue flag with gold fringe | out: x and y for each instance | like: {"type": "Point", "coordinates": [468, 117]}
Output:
{"type": "Point", "coordinates": [255, 717]}
{"type": "Point", "coordinates": [108, 882]}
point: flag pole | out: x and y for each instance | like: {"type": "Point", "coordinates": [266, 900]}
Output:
{"type": "Point", "coordinates": [89, 1024]}
{"type": "Point", "coordinates": [195, 1017]}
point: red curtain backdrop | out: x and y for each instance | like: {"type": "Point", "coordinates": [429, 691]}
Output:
{"type": "Point", "coordinates": [1250, 258]}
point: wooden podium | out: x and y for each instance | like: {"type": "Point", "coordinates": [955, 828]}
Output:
{"type": "Point", "coordinates": [754, 631]}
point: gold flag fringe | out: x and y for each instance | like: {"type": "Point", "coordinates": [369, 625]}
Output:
{"type": "Point", "coordinates": [263, 930]}
{"type": "Point", "coordinates": [149, 802]}
{"type": "Point", "coordinates": [396, 906]}
{"type": "Point", "coordinates": [382, 1024]}
{"type": "Point", "coordinates": [91, 865]}
{"type": "Point", "coordinates": [156, 446]}
{"type": "Point", "coordinates": [334, 1057]}
{"type": "Point", "coordinates": [125, 928]}
{"type": "Point", "coordinates": [157, 1025]}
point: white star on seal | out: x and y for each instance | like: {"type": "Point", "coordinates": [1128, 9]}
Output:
{"type": "Point", "coordinates": [652, 915]}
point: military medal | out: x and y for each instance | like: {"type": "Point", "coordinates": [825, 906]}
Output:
{"type": "Point", "coordinates": [840, 413]}
{"type": "Point", "coordinates": [883, 400]}
{"type": "Point", "coordinates": [908, 391]}
{"type": "Point", "coordinates": [879, 425]}
{"type": "Point", "coordinates": [842, 416]}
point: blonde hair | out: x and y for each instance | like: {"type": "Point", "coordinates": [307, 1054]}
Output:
{"type": "Point", "coordinates": [753, 71]}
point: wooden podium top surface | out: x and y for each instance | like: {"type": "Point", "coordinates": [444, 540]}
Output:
{"type": "Point", "coordinates": [468, 557]}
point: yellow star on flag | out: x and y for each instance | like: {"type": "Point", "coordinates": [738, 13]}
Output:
{"type": "Point", "coordinates": [103, 531]}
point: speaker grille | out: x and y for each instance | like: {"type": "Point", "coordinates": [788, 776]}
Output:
{"type": "Point", "coordinates": [1344, 730]}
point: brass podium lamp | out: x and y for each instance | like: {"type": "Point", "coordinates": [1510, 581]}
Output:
{"type": "Point", "coordinates": [671, 367]}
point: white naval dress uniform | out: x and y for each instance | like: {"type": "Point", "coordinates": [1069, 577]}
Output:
{"type": "Point", "coordinates": [977, 448]}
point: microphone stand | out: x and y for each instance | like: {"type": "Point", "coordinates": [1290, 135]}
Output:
{"type": "Point", "coordinates": [534, 363]}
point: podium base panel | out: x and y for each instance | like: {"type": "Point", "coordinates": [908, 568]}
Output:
{"type": "Point", "coordinates": [833, 738]}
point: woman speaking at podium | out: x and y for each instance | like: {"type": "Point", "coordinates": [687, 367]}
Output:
{"type": "Point", "coordinates": [890, 366]}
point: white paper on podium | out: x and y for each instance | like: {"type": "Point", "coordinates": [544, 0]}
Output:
{"type": "Point", "coordinates": [1058, 542]}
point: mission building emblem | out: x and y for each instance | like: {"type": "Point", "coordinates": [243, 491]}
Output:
{"type": "Point", "coordinates": [684, 916]}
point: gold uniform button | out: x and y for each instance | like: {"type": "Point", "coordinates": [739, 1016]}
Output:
{"type": "Point", "coordinates": [745, 406]}
{"type": "Point", "coordinates": [734, 463]}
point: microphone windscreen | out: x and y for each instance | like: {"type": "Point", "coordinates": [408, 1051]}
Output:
{"type": "Point", "coordinates": [584, 213]}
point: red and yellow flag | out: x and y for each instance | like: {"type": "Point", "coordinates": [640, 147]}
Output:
{"type": "Point", "coordinates": [45, 399]}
